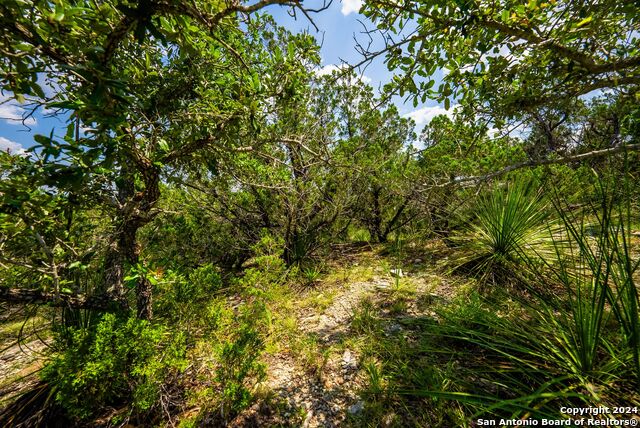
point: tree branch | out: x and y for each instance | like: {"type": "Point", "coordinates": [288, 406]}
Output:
{"type": "Point", "coordinates": [535, 163]}
{"type": "Point", "coordinates": [76, 301]}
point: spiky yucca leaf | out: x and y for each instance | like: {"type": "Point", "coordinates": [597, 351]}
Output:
{"type": "Point", "coordinates": [508, 221]}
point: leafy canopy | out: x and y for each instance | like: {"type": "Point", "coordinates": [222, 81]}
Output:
{"type": "Point", "coordinates": [508, 55]}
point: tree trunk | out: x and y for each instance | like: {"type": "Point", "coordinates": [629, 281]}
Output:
{"type": "Point", "coordinates": [128, 246]}
{"type": "Point", "coordinates": [61, 300]}
{"type": "Point", "coordinates": [144, 302]}
{"type": "Point", "coordinates": [114, 274]}
{"type": "Point", "coordinates": [376, 221]}
{"type": "Point", "coordinates": [134, 212]}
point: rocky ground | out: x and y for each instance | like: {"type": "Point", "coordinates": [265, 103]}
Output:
{"type": "Point", "coordinates": [328, 396]}
{"type": "Point", "coordinates": [318, 385]}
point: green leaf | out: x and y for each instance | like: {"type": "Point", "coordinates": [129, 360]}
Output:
{"type": "Point", "coordinates": [584, 22]}
{"type": "Point", "coordinates": [42, 139]}
{"type": "Point", "coordinates": [75, 264]}
{"type": "Point", "coordinates": [67, 104]}
{"type": "Point", "coordinates": [164, 146]}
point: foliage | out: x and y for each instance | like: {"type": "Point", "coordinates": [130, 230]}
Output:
{"type": "Point", "coordinates": [183, 299]}
{"type": "Point", "coordinates": [599, 277]}
{"type": "Point", "coordinates": [239, 364]}
{"type": "Point", "coordinates": [376, 149]}
{"type": "Point", "coordinates": [291, 186]}
{"type": "Point", "coordinates": [129, 75]}
{"type": "Point", "coordinates": [207, 166]}
{"type": "Point", "coordinates": [508, 56]}
{"type": "Point", "coordinates": [508, 221]}
{"type": "Point", "coordinates": [459, 148]}
{"type": "Point", "coordinates": [121, 359]}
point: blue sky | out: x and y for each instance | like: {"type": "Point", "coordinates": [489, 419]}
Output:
{"type": "Point", "coordinates": [338, 25]}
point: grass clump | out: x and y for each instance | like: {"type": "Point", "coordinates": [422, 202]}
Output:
{"type": "Point", "coordinates": [526, 355]}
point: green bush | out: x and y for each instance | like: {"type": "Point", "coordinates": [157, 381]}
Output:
{"type": "Point", "coordinates": [268, 267]}
{"type": "Point", "coordinates": [120, 360]}
{"type": "Point", "coordinates": [182, 298]}
{"type": "Point", "coordinates": [229, 363]}
{"type": "Point", "coordinates": [239, 365]}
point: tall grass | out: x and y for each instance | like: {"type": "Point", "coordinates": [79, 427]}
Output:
{"type": "Point", "coordinates": [572, 338]}
{"type": "Point", "coordinates": [584, 274]}
{"type": "Point", "coordinates": [599, 275]}
{"type": "Point", "coordinates": [625, 300]}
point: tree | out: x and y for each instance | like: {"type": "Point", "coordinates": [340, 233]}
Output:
{"type": "Point", "coordinates": [509, 56]}
{"type": "Point", "coordinates": [375, 143]}
{"type": "Point", "coordinates": [286, 183]}
{"type": "Point", "coordinates": [127, 70]}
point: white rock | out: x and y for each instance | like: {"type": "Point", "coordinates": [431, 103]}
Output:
{"type": "Point", "coordinates": [383, 284]}
{"type": "Point", "coordinates": [356, 408]}
{"type": "Point", "coordinates": [349, 361]}
{"type": "Point", "coordinates": [396, 272]}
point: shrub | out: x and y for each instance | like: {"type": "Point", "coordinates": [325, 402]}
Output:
{"type": "Point", "coordinates": [120, 359]}
{"type": "Point", "coordinates": [182, 299]}
{"type": "Point", "coordinates": [239, 365]}
{"type": "Point", "coordinates": [598, 269]}
{"type": "Point", "coordinates": [229, 363]}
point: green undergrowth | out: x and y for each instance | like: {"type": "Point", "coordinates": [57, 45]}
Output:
{"type": "Point", "coordinates": [477, 357]}
{"type": "Point", "coordinates": [568, 337]}
{"type": "Point", "coordinates": [435, 348]}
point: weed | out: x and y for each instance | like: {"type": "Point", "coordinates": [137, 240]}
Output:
{"type": "Point", "coordinates": [311, 274]}
{"type": "Point", "coordinates": [365, 320]}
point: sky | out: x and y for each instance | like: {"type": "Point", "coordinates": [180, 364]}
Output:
{"type": "Point", "coordinates": [338, 25]}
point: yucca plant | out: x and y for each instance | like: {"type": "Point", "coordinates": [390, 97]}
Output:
{"type": "Point", "coordinates": [507, 221]}
{"type": "Point", "coordinates": [507, 366]}
{"type": "Point", "coordinates": [607, 261]}
{"type": "Point", "coordinates": [311, 274]}
{"type": "Point", "coordinates": [576, 346]}
{"type": "Point", "coordinates": [527, 363]}
{"type": "Point", "coordinates": [625, 301]}
{"type": "Point", "coordinates": [595, 268]}
{"type": "Point", "coordinates": [623, 296]}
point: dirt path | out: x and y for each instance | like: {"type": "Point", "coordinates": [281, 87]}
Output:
{"type": "Point", "coordinates": [17, 365]}
{"type": "Point", "coordinates": [330, 395]}
{"type": "Point", "coordinates": [21, 354]}
{"type": "Point", "coordinates": [327, 398]}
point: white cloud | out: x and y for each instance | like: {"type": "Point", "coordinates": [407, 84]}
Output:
{"type": "Point", "coordinates": [12, 147]}
{"type": "Point", "coordinates": [350, 6]}
{"type": "Point", "coordinates": [365, 79]}
{"type": "Point", "coordinates": [494, 133]}
{"type": "Point", "coordinates": [328, 69]}
{"type": "Point", "coordinates": [12, 113]}
{"type": "Point", "coordinates": [424, 115]}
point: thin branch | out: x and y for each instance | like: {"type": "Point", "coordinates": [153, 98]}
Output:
{"type": "Point", "coordinates": [77, 301]}
{"type": "Point", "coordinates": [535, 163]}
